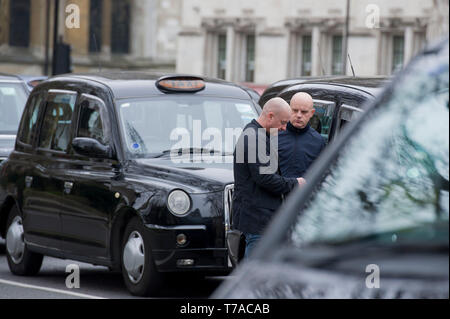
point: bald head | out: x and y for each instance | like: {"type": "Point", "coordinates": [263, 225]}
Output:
{"type": "Point", "coordinates": [276, 113]}
{"type": "Point", "coordinates": [276, 105]}
{"type": "Point", "coordinates": [302, 99]}
{"type": "Point", "coordinates": [302, 107]}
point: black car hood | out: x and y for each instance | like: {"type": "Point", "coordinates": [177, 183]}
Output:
{"type": "Point", "coordinates": [409, 275]}
{"type": "Point", "coordinates": [199, 175]}
{"type": "Point", "coordinates": [6, 144]}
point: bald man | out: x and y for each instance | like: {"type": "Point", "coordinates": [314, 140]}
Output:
{"type": "Point", "coordinates": [258, 187]}
{"type": "Point", "coordinates": [299, 145]}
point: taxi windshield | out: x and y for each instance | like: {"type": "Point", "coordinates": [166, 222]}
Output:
{"type": "Point", "coordinates": [12, 102]}
{"type": "Point", "coordinates": [153, 127]}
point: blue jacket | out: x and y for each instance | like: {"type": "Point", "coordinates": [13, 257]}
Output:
{"type": "Point", "coordinates": [297, 149]}
{"type": "Point", "coordinates": [256, 196]}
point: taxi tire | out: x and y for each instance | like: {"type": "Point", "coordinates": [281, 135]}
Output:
{"type": "Point", "coordinates": [31, 262]}
{"type": "Point", "coordinates": [152, 281]}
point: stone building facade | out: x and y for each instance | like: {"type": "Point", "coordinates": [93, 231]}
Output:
{"type": "Point", "coordinates": [112, 34]}
{"type": "Point", "coordinates": [265, 41]}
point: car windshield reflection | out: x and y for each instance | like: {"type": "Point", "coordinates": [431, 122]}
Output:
{"type": "Point", "coordinates": [183, 124]}
{"type": "Point", "coordinates": [12, 102]}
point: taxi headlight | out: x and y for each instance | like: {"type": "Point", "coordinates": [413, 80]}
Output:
{"type": "Point", "coordinates": [178, 202]}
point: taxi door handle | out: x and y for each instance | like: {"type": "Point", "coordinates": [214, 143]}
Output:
{"type": "Point", "coordinates": [68, 187]}
{"type": "Point", "coordinates": [28, 181]}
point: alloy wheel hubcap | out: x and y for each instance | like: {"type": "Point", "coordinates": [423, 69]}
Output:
{"type": "Point", "coordinates": [134, 257]}
{"type": "Point", "coordinates": [14, 240]}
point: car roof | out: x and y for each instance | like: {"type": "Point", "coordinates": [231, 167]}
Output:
{"type": "Point", "coordinates": [10, 77]}
{"type": "Point", "coordinates": [370, 85]}
{"type": "Point", "coordinates": [132, 84]}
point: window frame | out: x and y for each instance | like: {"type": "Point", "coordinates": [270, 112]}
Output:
{"type": "Point", "coordinates": [16, 24]}
{"type": "Point", "coordinates": [32, 145]}
{"type": "Point", "coordinates": [71, 129]}
{"type": "Point", "coordinates": [303, 52]}
{"type": "Point", "coordinates": [220, 50]}
{"type": "Point", "coordinates": [354, 112]}
{"type": "Point", "coordinates": [330, 111]}
{"type": "Point", "coordinates": [106, 122]}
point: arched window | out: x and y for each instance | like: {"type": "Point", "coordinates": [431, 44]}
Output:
{"type": "Point", "coordinates": [95, 26]}
{"type": "Point", "coordinates": [19, 30]}
{"type": "Point", "coordinates": [120, 26]}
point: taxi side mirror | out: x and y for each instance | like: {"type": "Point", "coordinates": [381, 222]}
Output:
{"type": "Point", "coordinates": [92, 148]}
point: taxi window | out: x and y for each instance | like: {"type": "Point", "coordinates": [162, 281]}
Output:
{"type": "Point", "coordinates": [93, 121]}
{"type": "Point", "coordinates": [323, 117]}
{"type": "Point", "coordinates": [347, 113]}
{"type": "Point", "coordinates": [30, 119]}
{"type": "Point", "coordinates": [393, 176]}
{"type": "Point", "coordinates": [55, 129]}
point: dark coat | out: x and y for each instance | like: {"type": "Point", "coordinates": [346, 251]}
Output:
{"type": "Point", "coordinates": [256, 195]}
{"type": "Point", "coordinates": [298, 149]}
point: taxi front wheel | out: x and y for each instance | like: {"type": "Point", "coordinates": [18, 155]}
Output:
{"type": "Point", "coordinates": [138, 268]}
{"type": "Point", "coordinates": [21, 261]}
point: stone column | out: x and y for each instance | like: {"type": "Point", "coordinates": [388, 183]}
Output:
{"type": "Point", "coordinates": [106, 27]}
{"type": "Point", "coordinates": [142, 28]}
{"type": "Point", "coordinates": [4, 22]}
{"type": "Point", "coordinates": [316, 59]}
{"type": "Point", "coordinates": [231, 34]}
{"type": "Point", "coordinates": [78, 38]}
{"type": "Point", "coordinates": [409, 44]}
{"type": "Point", "coordinates": [37, 24]}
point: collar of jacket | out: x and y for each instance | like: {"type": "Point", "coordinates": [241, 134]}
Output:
{"type": "Point", "coordinates": [293, 129]}
{"type": "Point", "coordinates": [260, 126]}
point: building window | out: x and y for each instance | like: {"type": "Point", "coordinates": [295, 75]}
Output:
{"type": "Point", "coordinates": [120, 26]}
{"type": "Point", "coordinates": [306, 55]}
{"type": "Point", "coordinates": [398, 53]}
{"type": "Point", "coordinates": [19, 30]}
{"type": "Point", "coordinates": [336, 63]}
{"type": "Point", "coordinates": [250, 59]}
{"type": "Point", "coordinates": [95, 26]}
{"type": "Point", "coordinates": [222, 56]}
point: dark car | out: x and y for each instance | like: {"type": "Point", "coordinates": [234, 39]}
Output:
{"type": "Point", "coordinates": [13, 96]}
{"type": "Point", "coordinates": [104, 172]}
{"type": "Point", "coordinates": [337, 100]}
{"type": "Point", "coordinates": [372, 222]}
{"type": "Point", "coordinates": [274, 89]}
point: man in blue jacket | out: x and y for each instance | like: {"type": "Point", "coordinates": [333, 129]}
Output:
{"type": "Point", "coordinates": [300, 144]}
{"type": "Point", "coordinates": [258, 186]}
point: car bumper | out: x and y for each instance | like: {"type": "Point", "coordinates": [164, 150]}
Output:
{"type": "Point", "coordinates": [195, 255]}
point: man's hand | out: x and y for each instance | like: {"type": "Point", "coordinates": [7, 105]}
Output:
{"type": "Point", "coordinates": [301, 181]}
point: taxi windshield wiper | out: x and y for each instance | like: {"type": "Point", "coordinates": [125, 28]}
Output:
{"type": "Point", "coordinates": [192, 150]}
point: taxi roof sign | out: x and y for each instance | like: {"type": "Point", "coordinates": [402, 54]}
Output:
{"type": "Point", "coordinates": [181, 84]}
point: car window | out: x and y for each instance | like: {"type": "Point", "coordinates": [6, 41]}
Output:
{"type": "Point", "coordinates": [30, 119]}
{"type": "Point", "coordinates": [322, 119]}
{"type": "Point", "coordinates": [347, 113]}
{"type": "Point", "coordinates": [13, 98]}
{"type": "Point", "coordinates": [394, 174]}
{"type": "Point", "coordinates": [152, 126]}
{"type": "Point", "coordinates": [93, 121]}
{"type": "Point", "coordinates": [55, 130]}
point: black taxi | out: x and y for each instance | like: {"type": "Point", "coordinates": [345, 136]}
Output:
{"type": "Point", "coordinates": [127, 170]}
{"type": "Point", "coordinates": [337, 100]}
